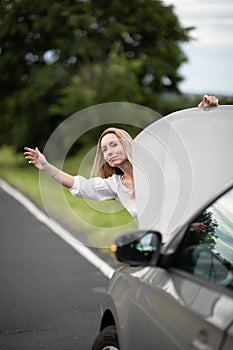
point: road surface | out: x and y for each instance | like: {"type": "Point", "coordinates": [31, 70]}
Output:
{"type": "Point", "coordinates": [49, 295]}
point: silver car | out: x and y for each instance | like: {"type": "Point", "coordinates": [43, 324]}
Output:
{"type": "Point", "coordinates": [175, 287]}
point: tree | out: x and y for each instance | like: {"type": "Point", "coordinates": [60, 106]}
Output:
{"type": "Point", "coordinates": [109, 50]}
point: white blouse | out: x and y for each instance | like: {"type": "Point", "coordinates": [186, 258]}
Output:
{"type": "Point", "coordinates": [101, 189]}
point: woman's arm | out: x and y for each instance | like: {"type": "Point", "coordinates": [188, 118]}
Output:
{"type": "Point", "coordinates": [36, 158]}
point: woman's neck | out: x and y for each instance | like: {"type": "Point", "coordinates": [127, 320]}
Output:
{"type": "Point", "coordinates": [127, 170]}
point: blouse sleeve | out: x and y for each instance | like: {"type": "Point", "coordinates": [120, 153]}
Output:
{"type": "Point", "coordinates": [94, 188]}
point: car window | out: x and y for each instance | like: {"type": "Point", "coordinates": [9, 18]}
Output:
{"type": "Point", "coordinates": [207, 248]}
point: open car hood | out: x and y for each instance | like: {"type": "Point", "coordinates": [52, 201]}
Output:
{"type": "Point", "coordinates": [181, 163]}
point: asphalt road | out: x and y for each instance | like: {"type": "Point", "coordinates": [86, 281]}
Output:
{"type": "Point", "coordinates": [49, 295]}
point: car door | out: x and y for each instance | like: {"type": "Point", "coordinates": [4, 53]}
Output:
{"type": "Point", "coordinates": [189, 304]}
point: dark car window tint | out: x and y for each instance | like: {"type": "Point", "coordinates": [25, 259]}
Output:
{"type": "Point", "coordinates": [207, 248]}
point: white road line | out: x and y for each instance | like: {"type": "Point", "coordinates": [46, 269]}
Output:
{"type": "Point", "coordinates": [100, 264]}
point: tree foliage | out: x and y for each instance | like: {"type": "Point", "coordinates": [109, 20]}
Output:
{"type": "Point", "coordinates": [57, 57]}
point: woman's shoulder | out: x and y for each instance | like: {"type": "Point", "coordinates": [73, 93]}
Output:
{"type": "Point", "coordinates": [114, 181]}
{"type": "Point", "coordinates": [114, 178]}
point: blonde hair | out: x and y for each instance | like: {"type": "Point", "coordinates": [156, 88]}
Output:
{"type": "Point", "coordinates": [100, 167]}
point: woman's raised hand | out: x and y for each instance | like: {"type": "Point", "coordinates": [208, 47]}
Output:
{"type": "Point", "coordinates": [35, 157]}
{"type": "Point", "coordinates": [208, 101]}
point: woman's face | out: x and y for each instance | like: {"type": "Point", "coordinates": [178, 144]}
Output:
{"type": "Point", "coordinates": [113, 151]}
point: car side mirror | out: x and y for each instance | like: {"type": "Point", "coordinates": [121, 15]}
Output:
{"type": "Point", "coordinates": [138, 248]}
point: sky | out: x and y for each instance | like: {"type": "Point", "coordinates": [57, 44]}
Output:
{"type": "Point", "coordinates": [210, 56]}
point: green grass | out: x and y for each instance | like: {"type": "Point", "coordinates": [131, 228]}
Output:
{"type": "Point", "coordinates": [100, 222]}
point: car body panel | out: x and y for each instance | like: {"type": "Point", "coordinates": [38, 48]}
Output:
{"type": "Point", "coordinates": [181, 162]}
{"type": "Point", "coordinates": [152, 303]}
{"type": "Point", "coordinates": [228, 341]}
{"type": "Point", "coordinates": [183, 168]}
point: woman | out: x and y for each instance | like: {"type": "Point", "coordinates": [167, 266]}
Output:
{"type": "Point", "coordinates": [113, 166]}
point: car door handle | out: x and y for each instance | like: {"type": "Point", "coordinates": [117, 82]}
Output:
{"type": "Point", "coordinates": [201, 342]}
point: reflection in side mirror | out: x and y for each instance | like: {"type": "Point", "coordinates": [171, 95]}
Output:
{"type": "Point", "coordinates": [138, 248]}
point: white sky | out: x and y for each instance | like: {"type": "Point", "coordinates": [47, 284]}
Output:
{"type": "Point", "coordinates": [210, 66]}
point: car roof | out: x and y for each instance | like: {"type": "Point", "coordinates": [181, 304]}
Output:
{"type": "Point", "coordinates": [181, 163]}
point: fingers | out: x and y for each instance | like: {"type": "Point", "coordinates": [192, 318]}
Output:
{"type": "Point", "coordinates": [29, 149]}
{"type": "Point", "coordinates": [211, 100]}
{"type": "Point", "coordinates": [31, 155]}
{"type": "Point", "coordinates": [198, 227]}
{"type": "Point", "coordinates": [201, 228]}
{"type": "Point", "coordinates": [34, 157]}
{"type": "Point", "coordinates": [208, 101]}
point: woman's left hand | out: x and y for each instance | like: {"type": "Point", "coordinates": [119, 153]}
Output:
{"type": "Point", "coordinates": [208, 101]}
